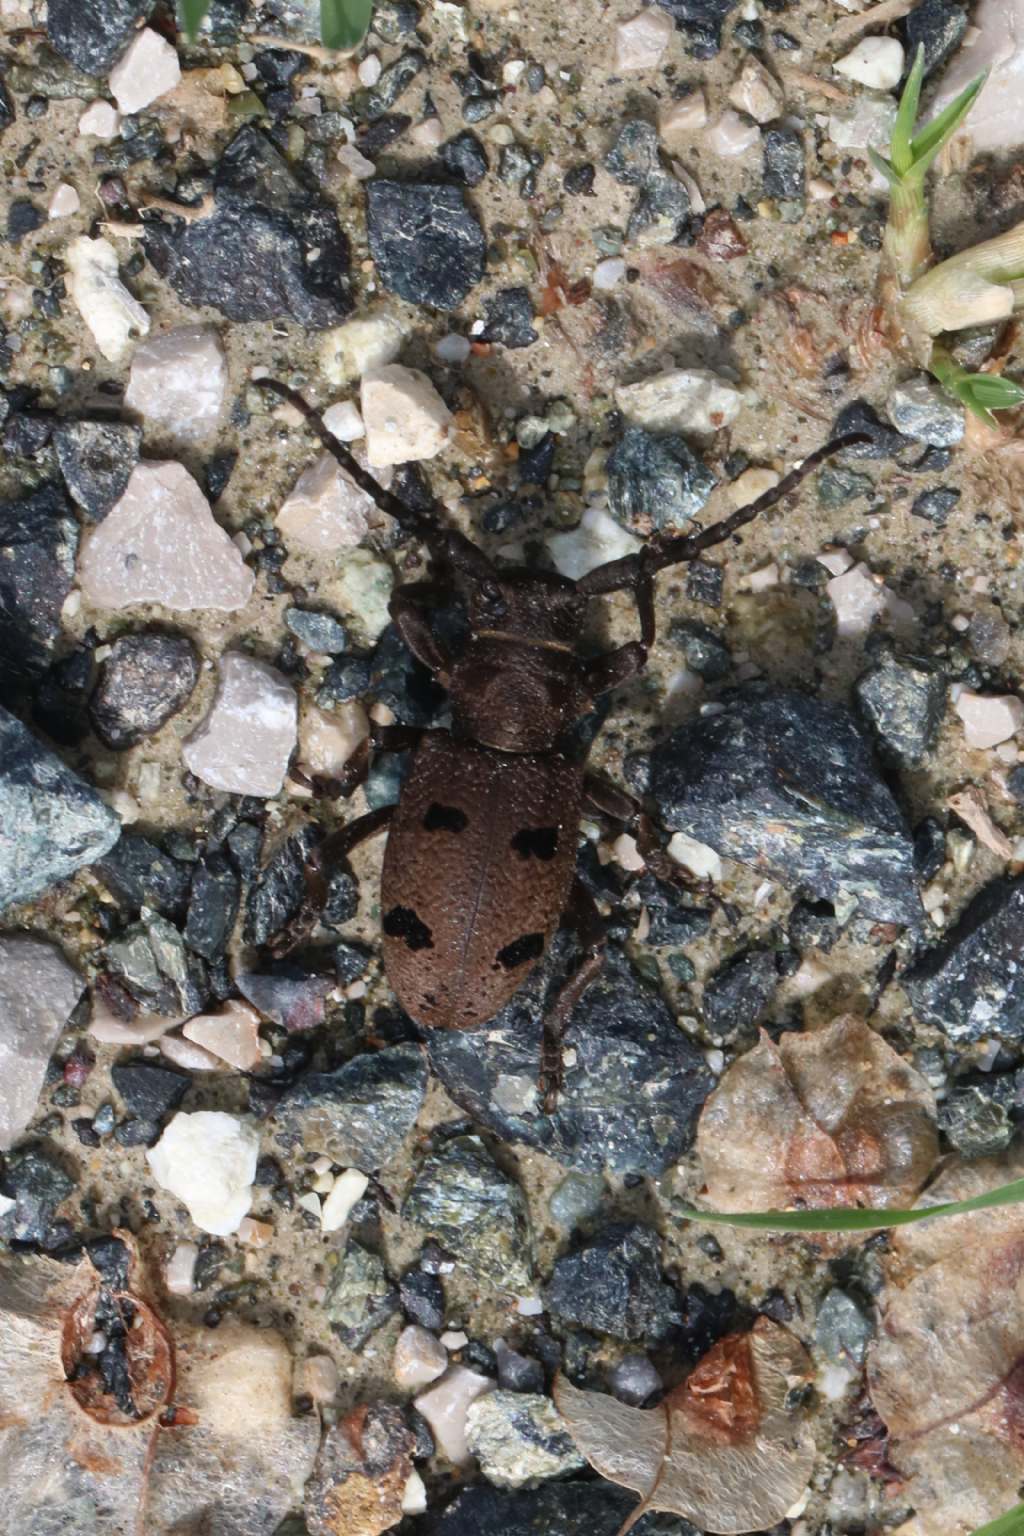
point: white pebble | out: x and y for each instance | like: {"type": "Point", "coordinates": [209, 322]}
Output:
{"type": "Point", "coordinates": [731, 137]}
{"type": "Point", "coordinates": [320, 1378]}
{"type": "Point", "coordinates": [178, 381]}
{"type": "Point", "coordinates": [857, 598]}
{"type": "Point", "coordinates": [369, 69]}
{"type": "Point", "coordinates": [701, 861]}
{"type": "Point", "coordinates": [207, 1160]}
{"type": "Point", "coordinates": [452, 348]}
{"type": "Point", "coordinates": [344, 420]}
{"type": "Point", "coordinates": [445, 1407]}
{"type": "Point", "coordinates": [876, 62]}
{"type": "Point", "coordinates": [244, 744]}
{"type": "Point", "coordinates": [64, 202]}
{"type": "Point", "coordinates": [112, 314]}
{"type": "Point", "coordinates": [596, 539]}
{"type": "Point", "coordinates": [756, 92]}
{"type": "Point", "coordinates": [419, 1357]}
{"type": "Point", "coordinates": [325, 511]}
{"type": "Point", "coordinates": [180, 1271]}
{"type": "Point", "coordinates": [148, 70]}
{"type": "Point", "coordinates": [683, 118]}
{"type": "Point", "coordinates": [100, 120]}
{"type": "Point", "coordinates": [681, 400]}
{"type": "Point", "coordinates": [414, 1495]}
{"type": "Point", "coordinates": [989, 719]}
{"type": "Point", "coordinates": [641, 42]}
{"type": "Point", "coordinates": [405, 417]}
{"type": "Point", "coordinates": [608, 274]}
{"type": "Point", "coordinates": [764, 577]}
{"type": "Point", "coordinates": [345, 1194]}
{"type": "Point", "coordinates": [231, 1035]}
{"type": "Point", "coordinates": [349, 350]}
{"type": "Point", "coordinates": [352, 160]}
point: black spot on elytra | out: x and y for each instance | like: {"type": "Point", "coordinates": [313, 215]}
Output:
{"type": "Point", "coordinates": [536, 843]}
{"type": "Point", "coordinates": [445, 818]}
{"type": "Point", "coordinates": [529, 946]}
{"type": "Point", "coordinates": [402, 923]}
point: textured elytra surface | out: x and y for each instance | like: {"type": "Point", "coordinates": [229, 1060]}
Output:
{"type": "Point", "coordinates": [477, 870]}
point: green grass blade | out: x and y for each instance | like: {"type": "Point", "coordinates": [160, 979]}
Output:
{"type": "Point", "coordinates": [941, 129]}
{"type": "Point", "coordinates": [344, 23]}
{"type": "Point", "coordinates": [190, 16]}
{"type": "Point", "coordinates": [1010, 1524]}
{"type": "Point", "coordinates": [906, 117]}
{"type": "Point", "coordinates": [993, 392]}
{"type": "Point", "coordinates": [856, 1220]}
{"type": "Point", "coordinates": [883, 166]}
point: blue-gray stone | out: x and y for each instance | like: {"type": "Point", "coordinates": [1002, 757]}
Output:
{"type": "Point", "coordinates": [51, 822]}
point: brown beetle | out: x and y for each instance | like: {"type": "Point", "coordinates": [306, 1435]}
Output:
{"type": "Point", "coordinates": [479, 869]}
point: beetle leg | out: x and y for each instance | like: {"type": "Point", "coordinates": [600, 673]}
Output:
{"type": "Point", "coordinates": [581, 915]}
{"type": "Point", "coordinates": [616, 667]}
{"type": "Point", "coordinates": [394, 738]}
{"type": "Point", "coordinates": [324, 859]}
{"type": "Point", "coordinates": [414, 628]}
{"type": "Point", "coordinates": [619, 806]}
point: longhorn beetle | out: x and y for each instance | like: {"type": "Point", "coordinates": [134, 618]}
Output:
{"type": "Point", "coordinates": [479, 868]}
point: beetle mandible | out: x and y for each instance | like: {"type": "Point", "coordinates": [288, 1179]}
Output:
{"type": "Point", "coordinates": [479, 867]}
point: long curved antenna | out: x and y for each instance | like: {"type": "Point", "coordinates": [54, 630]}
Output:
{"type": "Point", "coordinates": [673, 549]}
{"type": "Point", "coordinates": [447, 544]}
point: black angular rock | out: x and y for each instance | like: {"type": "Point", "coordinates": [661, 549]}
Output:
{"type": "Point", "coordinates": [461, 1197]}
{"type": "Point", "coordinates": [151, 960]}
{"type": "Point", "coordinates": [26, 433]}
{"type": "Point", "coordinates": [789, 784]}
{"type": "Point", "coordinates": [427, 245]}
{"type": "Point", "coordinates": [213, 906]}
{"type": "Point", "coordinates": [348, 677]}
{"type": "Point", "coordinates": [656, 482]}
{"type": "Point", "coordinates": [350, 962]}
{"type": "Point", "coordinates": [288, 994]}
{"type": "Point", "coordinates": [902, 700]}
{"type": "Point", "coordinates": [360, 1113]}
{"type": "Point", "coordinates": [23, 218]}
{"type": "Point", "coordinates": [784, 174]}
{"type": "Point", "coordinates": [508, 319]}
{"type": "Point", "coordinates": [813, 925]}
{"type": "Point", "coordinates": [633, 156]}
{"type": "Point", "coordinates": [6, 106]}
{"type": "Point", "coordinates": [938, 26]}
{"type": "Point", "coordinates": [614, 1285]}
{"type": "Point", "coordinates": [422, 1298]}
{"type": "Point", "coordinates": [634, 1380]}
{"type": "Point", "coordinates": [703, 649]}
{"type": "Point", "coordinates": [270, 250]}
{"type": "Point", "coordinates": [936, 505]}
{"type": "Point", "coordinates": [465, 158]}
{"type": "Point", "coordinates": [971, 985]}
{"type": "Point", "coordinates": [96, 459]}
{"type": "Point", "coordinates": [141, 875]}
{"type": "Point", "coordinates": [661, 200]}
{"type": "Point", "coordinates": [150, 1092]}
{"type": "Point", "coordinates": [882, 441]}
{"type": "Point", "coordinates": [93, 34]}
{"type": "Point", "coordinates": [737, 996]}
{"type": "Point", "coordinates": [51, 821]}
{"type": "Point", "coordinates": [516, 1372]}
{"type": "Point", "coordinates": [403, 683]}
{"type": "Point", "coordinates": [393, 81]}
{"type": "Point", "coordinates": [630, 1100]}
{"type": "Point", "coordinates": [672, 917]}
{"type": "Point", "coordinates": [145, 680]}
{"type": "Point", "coordinates": [554, 1509]}
{"type": "Point", "coordinates": [60, 699]}
{"type": "Point", "coordinates": [38, 1184]}
{"type": "Point", "coordinates": [38, 543]}
{"type": "Point", "coordinates": [278, 890]}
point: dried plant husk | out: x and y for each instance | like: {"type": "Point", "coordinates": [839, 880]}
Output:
{"type": "Point", "coordinates": [730, 1448]}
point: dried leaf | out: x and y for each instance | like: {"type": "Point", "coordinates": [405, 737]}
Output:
{"type": "Point", "coordinates": [829, 1119]}
{"type": "Point", "coordinates": [946, 1372]}
{"type": "Point", "coordinates": [728, 1448]}
{"type": "Point", "coordinates": [360, 1474]}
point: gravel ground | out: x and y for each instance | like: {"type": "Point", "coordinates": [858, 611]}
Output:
{"type": "Point", "coordinates": [478, 238]}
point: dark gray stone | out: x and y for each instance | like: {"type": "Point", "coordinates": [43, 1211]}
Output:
{"type": "Point", "coordinates": [614, 1285]}
{"type": "Point", "coordinates": [633, 157]}
{"type": "Point", "coordinates": [427, 244]}
{"type": "Point", "coordinates": [151, 960]}
{"type": "Point", "coordinates": [465, 158]}
{"type": "Point", "coordinates": [516, 1372]}
{"type": "Point", "coordinates": [976, 1122]}
{"type": "Point", "coordinates": [704, 650]}
{"type": "Point", "coordinates": [656, 482]}
{"type": "Point", "coordinates": [784, 173]}
{"type": "Point", "coordinates": [555, 1509]}
{"type": "Point", "coordinates": [320, 631]}
{"type": "Point", "coordinates": [971, 985]}
{"type": "Point", "coordinates": [508, 319]}
{"type": "Point", "coordinates": [843, 1330]}
{"type": "Point", "coordinates": [700, 21]}
{"type": "Point", "coordinates": [882, 440]}
{"type": "Point", "coordinates": [813, 925]}
{"type": "Point", "coordinates": [145, 680]}
{"type": "Point", "coordinates": [360, 1298]}
{"type": "Point", "coordinates": [936, 505]}
{"type": "Point", "coordinates": [634, 1380]}
{"type": "Point", "coordinates": [929, 848]}
{"type": "Point", "coordinates": [51, 821]}
{"type": "Point", "coordinates": [213, 906]}
{"type": "Point", "coordinates": [288, 994]}
{"type": "Point", "coordinates": [93, 34]}
{"type": "Point", "coordinates": [96, 459]}
{"type": "Point", "coordinates": [461, 1197]}
{"type": "Point", "coordinates": [422, 1298]}
{"type": "Point", "coordinates": [270, 250]}
{"type": "Point", "coordinates": [737, 996]}
{"type": "Point", "coordinates": [38, 543]}
{"type": "Point", "coordinates": [836, 486]}
{"type": "Point", "coordinates": [674, 920]}
{"type": "Point", "coordinates": [346, 678]}
{"type": "Point", "coordinates": [661, 200]}
{"type": "Point", "coordinates": [902, 700]}
{"type": "Point", "coordinates": [394, 80]}
{"type": "Point", "coordinates": [630, 1099]}
{"type": "Point", "coordinates": [60, 699]}
{"type": "Point", "coordinates": [37, 1184]}
{"type": "Point", "coordinates": [360, 1113]}
{"type": "Point", "coordinates": [279, 889]}
{"type": "Point", "coordinates": [151, 1092]}
{"type": "Point", "coordinates": [938, 26]}
{"type": "Point", "coordinates": [141, 875]}
{"type": "Point", "coordinates": [23, 218]}
{"type": "Point", "coordinates": [789, 784]}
